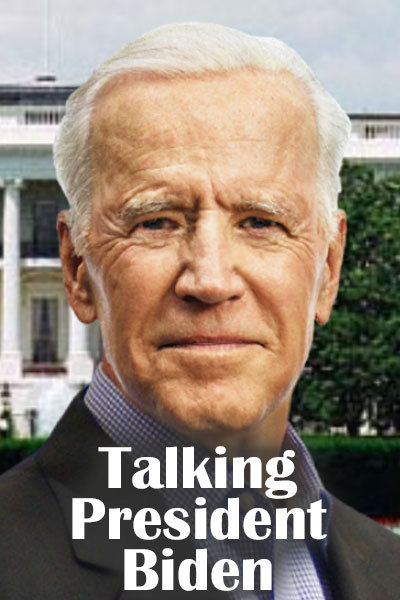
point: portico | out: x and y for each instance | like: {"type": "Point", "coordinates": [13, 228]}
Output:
{"type": "Point", "coordinates": [45, 352]}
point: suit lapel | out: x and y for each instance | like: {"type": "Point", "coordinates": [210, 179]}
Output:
{"type": "Point", "coordinates": [69, 462]}
{"type": "Point", "coordinates": [74, 468]}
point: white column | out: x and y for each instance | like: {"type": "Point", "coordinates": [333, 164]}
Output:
{"type": "Point", "coordinates": [11, 357]}
{"type": "Point", "coordinates": [79, 362]}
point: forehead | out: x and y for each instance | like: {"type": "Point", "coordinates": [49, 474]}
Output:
{"type": "Point", "coordinates": [263, 121]}
{"type": "Point", "coordinates": [241, 95]}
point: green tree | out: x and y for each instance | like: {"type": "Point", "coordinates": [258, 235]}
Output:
{"type": "Point", "coordinates": [354, 367]}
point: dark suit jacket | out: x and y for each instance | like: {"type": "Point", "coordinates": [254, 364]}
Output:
{"type": "Point", "coordinates": [40, 561]}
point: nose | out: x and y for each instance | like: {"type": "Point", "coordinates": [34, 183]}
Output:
{"type": "Point", "coordinates": [209, 274]}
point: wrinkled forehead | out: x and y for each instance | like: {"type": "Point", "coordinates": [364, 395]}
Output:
{"type": "Point", "coordinates": [140, 105]}
{"type": "Point", "coordinates": [246, 129]}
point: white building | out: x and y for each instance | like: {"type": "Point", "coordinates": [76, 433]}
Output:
{"type": "Point", "coordinates": [46, 353]}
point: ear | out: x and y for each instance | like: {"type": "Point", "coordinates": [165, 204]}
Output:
{"type": "Point", "coordinates": [76, 276]}
{"type": "Point", "coordinates": [331, 274]}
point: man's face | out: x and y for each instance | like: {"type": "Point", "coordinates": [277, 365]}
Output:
{"type": "Point", "coordinates": [206, 262]}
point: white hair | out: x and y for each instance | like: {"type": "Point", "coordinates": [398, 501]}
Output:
{"type": "Point", "coordinates": [180, 50]}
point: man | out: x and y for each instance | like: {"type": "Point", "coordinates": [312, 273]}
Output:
{"type": "Point", "coordinates": [202, 169]}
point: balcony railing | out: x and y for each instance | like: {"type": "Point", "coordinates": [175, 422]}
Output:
{"type": "Point", "coordinates": [43, 117]}
{"type": "Point", "coordinates": [21, 116]}
{"type": "Point", "coordinates": [371, 129]}
{"type": "Point", "coordinates": [36, 368]}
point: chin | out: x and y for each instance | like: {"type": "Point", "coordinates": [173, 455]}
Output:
{"type": "Point", "coordinates": [194, 415]}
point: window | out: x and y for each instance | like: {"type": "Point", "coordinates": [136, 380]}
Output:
{"type": "Point", "coordinates": [41, 202]}
{"type": "Point", "coordinates": [45, 240]}
{"type": "Point", "coordinates": [44, 330]}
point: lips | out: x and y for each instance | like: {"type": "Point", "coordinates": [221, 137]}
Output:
{"type": "Point", "coordinates": [204, 341]}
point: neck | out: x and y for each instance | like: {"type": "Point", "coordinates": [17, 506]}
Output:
{"type": "Point", "coordinates": [264, 439]}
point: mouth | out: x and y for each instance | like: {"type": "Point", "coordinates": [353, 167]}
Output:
{"type": "Point", "coordinates": [210, 343]}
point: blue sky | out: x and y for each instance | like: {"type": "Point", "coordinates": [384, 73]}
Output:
{"type": "Point", "coordinates": [352, 46]}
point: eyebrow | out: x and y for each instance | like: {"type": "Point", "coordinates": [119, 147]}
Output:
{"type": "Point", "coordinates": [137, 207]}
{"type": "Point", "coordinates": [283, 208]}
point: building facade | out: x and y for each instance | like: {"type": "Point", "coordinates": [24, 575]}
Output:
{"type": "Point", "coordinates": [46, 354]}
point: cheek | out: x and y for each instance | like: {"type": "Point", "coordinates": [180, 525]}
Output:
{"type": "Point", "coordinates": [288, 293]}
{"type": "Point", "coordinates": [133, 288]}
{"type": "Point", "coordinates": [290, 278]}
{"type": "Point", "coordinates": [300, 301]}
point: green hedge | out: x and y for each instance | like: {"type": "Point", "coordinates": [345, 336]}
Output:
{"type": "Point", "coordinates": [336, 443]}
{"type": "Point", "coordinates": [12, 451]}
{"type": "Point", "coordinates": [363, 472]}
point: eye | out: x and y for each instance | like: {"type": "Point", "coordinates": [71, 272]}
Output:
{"type": "Point", "coordinates": [259, 223]}
{"type": "Point", "coordinates": [156, 224]}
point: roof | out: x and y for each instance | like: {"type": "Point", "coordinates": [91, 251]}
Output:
{"type": "Point", "coordinates": [374, 116]}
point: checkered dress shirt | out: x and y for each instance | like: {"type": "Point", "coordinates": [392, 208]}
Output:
{"type": "Point", "coordinates": [299, 569]}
